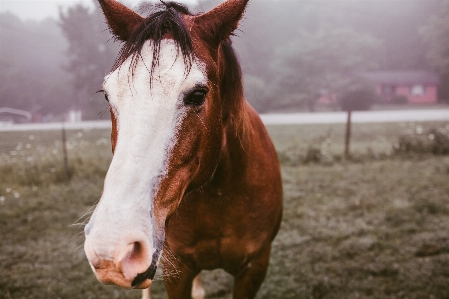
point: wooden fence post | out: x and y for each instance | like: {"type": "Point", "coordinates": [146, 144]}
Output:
{"type": "Point", "coordinates": [348, 134]}
{"type": "Point", "coordinates": [64, 152]}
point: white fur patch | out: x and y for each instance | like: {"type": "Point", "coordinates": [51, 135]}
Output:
{"type": "Point", "coordinates": [148, 120]}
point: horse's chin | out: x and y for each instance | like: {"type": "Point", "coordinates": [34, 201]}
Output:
{"type": "Point", "coordinates": [108, 273]}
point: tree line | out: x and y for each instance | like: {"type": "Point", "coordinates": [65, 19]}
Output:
{"type": "Point", "coordinates": [291, 52]}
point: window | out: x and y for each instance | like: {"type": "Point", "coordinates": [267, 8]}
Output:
{"type": "Point", "coordinates": [417, 90]}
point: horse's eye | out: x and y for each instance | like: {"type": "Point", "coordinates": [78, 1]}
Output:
{"type": "Point", "coordinates": [197, 97]}
{"type": "Point", "coordinates": [106, 97]}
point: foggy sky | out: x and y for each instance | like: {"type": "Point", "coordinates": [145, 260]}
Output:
{"type": "Point", "coordinates": [41, 9]}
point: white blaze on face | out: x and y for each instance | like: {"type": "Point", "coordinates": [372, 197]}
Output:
{"type": "Point", "coordinates": [148, 119]}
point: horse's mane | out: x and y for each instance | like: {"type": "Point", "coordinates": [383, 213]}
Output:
{"type": "Point", "coordinates": [231, 93]}
{"type": "Point", "coordinates": [166, 18]}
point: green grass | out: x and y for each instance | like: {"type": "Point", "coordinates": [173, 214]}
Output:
{"type": "Point", "coordinates": [374, 226]}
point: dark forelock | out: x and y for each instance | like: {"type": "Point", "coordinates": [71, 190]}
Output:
{"type": "Point", "coordinates": [164, 18]}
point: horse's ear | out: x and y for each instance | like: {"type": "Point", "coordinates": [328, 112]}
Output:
{"type": "Point", "coordinates": [219, 23]}
{"type": "Point", "coordinates": [121, 20]}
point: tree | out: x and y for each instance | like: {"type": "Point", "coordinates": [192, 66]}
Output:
{"type": "Point", "coordinates": [30, 59]}
{"type": "Point", "coordinates": [270, 26]}
{"type": "Point", "coordinates": [91, 57]}
{"type": "Point", "coordinates": [359, 98]}
{"type": "Point", "coordinates": [323, 61]}
{"type": "Point", "coordinates": [437, 32]}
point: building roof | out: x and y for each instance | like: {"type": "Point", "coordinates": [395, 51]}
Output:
{"type": "Point", "coordinates": [16, 112]}
{"type": "Point", "coordinates": [401, 77]}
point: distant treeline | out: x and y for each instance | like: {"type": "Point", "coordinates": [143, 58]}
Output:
{"type": "Point", "coordinates": [290, 51]}
{"type": "Point", "coordinates": [31, 61]}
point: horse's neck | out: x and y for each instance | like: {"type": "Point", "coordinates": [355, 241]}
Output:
{"type": "Point", "coordinates": [239, 119]}
{"type": "Point", "coordinates": [237, 147]}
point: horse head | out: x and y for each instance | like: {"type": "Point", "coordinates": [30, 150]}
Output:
{"type": "Point", "coordinates": [175, 86]}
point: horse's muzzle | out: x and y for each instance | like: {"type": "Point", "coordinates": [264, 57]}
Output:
{"type": "Point", "coordinates": [129, 263]}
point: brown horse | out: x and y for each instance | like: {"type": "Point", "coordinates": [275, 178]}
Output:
{"type": "Point", "coordinates": [194, 177]}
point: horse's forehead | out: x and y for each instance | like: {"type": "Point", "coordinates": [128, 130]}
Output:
{"type": "Point", "coordinates": [170, 71]}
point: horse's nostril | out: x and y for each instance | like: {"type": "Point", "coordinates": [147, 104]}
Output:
{"type": "Point", "coordinates": [134, 259]}
{"type": "Point", "coordinates": [87, 228]}
{"type": "Point", "coordinates": [136, 251]}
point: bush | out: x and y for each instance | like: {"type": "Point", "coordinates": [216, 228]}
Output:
{"type": "Point", "coordinates": [313, 154]}
{"type": "Point", "coordinates": [434, 142]}
{"type": "Point", "coordinates": [440, 142]}
{"type": "Point", "coordinates": [294, 156]}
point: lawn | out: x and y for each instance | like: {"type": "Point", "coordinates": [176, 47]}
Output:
{"type": "Point", "coordinates": [372, 226]}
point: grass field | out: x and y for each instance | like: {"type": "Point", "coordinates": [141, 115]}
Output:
{"type": "Point", "coordinates": [373, 226]}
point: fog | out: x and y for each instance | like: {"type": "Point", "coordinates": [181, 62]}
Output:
{"type": "Point", "coordinates": [291, 51]}
{"type": "Point", "coordinates": [42, 9]}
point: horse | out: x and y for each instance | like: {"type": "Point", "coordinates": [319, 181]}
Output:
{"type": "Point", "coordinates": [194, 183]}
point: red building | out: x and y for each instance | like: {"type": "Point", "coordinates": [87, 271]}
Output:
{"type": "Point", "coordinates": [415, 87]}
